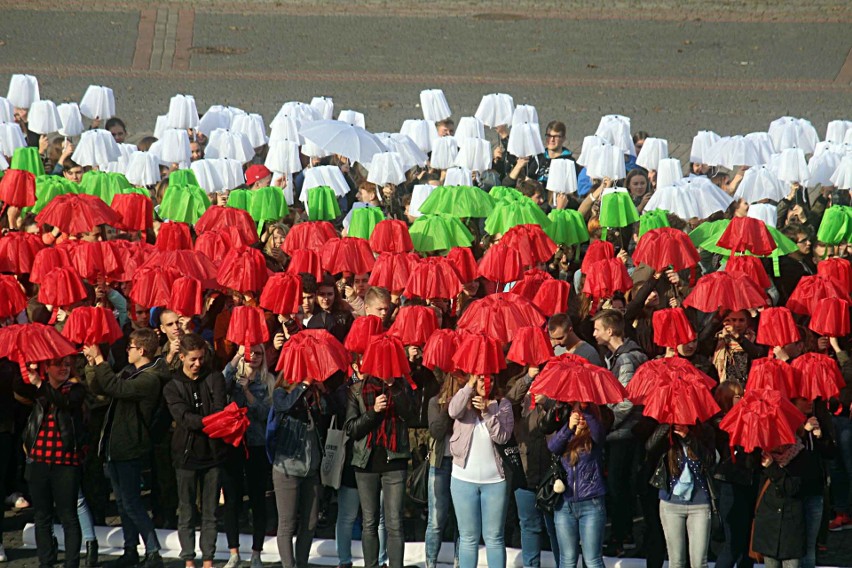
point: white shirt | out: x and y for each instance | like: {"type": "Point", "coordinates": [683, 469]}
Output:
{"type": "Point", "coordinates": [481, 466]}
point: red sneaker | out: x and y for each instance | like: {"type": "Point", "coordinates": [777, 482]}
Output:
{"type": "Point", "coordinates": [840, 522]}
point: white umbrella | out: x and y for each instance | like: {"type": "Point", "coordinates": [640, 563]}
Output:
{"type": "Point", "coordinates": [653, 150]}
{"type": "Point", "coordinates": [836, 130]}
{"type": "Point", "coordinates": [143, 169]}
{"type": "Point", "coordinates": [562, 177]}
{"type": "Point", "coordinates": [762, 144]}
{"type": "Point", "coordinates": [298, 111]}
{"type": "Point", "coordinates": [23, 90]}
{"type": "Point", "coordinates": [418, 131]}
{"type": "Point", "coordinates": [216, 175]}
{"type": "Point", "coordinates": [96, 148]}
{"type": "Point", "coordinates": [173, 147]}
{"type": "Point", "coordinates": [120, 165]}
{"type": "Point", "coordinates": [669, 171]}
{"type": "Point", "coordinates": [606, 162]}
{"type": "Point", "coordinates": [182, 112]}
{"type": "Point", "coordinates": [229, 144]}
{"type": "Point", "coordinates": [701, 144]}
{"type": "Point", "coordinates": [330, 176]}
{"type": "Point", "coordinates": [7, 110]}
{"type": "Point", "coordinates": [160, 126]}
{"type": "Point", "coordinates": [790, 166]}
{"type": "Point", "coordinates": [340, 138]}
{"type": "Point", "coordinates": [98, 102]}
{"type": "Point", "coordinates": [72, 120]}
{"type": "Point", "coordinates": [766, 212]}
{"type": "Point", "coordinates": [352, 117]}
{"type": "Point", "coordinates": [324, 106]}
{"type": "Point", "coordinates": [386, 167]}
{"type": "Point", "coordinates": [403, 145]}
{"type": "Point", "coordinates": [11, 138]}
{"type": "Point", "coordinates": [283, 157]}
{"type": "Point", "coordinates": [458, 175]}
{"type": "Point", "coordinates": [842, 177]}
{"type": "Point", "coordinates": [419, 194]}
{"type": "Point", "coordinates": [495, 110]}
{"type": "Point", "coordinates": [444, 153]}
{"type": "Point", "coordinates": [434, 105]}
{"type": "Point", "coordinates": [821, 167]}
{"type": "Point", "coordinates": [695, 196]}
{"type": "Point", "coordinates": [474, 154]}
{"type": "Point", "coordinates": [590, 142]}
{"type": "Point", "coordinates": [732, 151]}
{"type": "Point", "coordinates": [524, 113]}
{"type": "Point", "coordinates": [615, 129]}
{"type": "Point", "coordinates": [790, 132]}
{"type": "Point", "coordinates": [469, 127]}
{"type": "Point", "coordinates": [286, 128]}
{"type": "Point", "coordinates": [43, 117]}
{"type": "Point", "coordinates": [4, 165]}
{"type": "Point", "coordinates": [525, 140]}
{"type": "Point", "coordinates": [252, 126]}
{"type": "Point", "coordinates": [760, 183]}
{"type": "Point", "coordinates": [217, 116]}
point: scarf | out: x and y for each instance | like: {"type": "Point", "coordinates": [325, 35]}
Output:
{"type": "Point", "coordinates": [385, 434]}
{"type": "Point", "coordinates": [785, 454]}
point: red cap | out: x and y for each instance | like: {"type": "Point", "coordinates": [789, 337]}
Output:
{"type": "Point", "coordinates": [256, 172]}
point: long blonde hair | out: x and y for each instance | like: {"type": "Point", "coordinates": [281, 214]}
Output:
{"type": "Point", "coordinates": [268, 379]}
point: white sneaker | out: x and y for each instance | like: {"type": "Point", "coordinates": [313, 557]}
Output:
{"type": "Point", "coordinates": [233, 561]}
{"type": "Point", "coordinates": [2, 554]}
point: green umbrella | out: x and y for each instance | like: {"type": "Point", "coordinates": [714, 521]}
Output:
{"type": "Point", "coordinates": [140, 190]}
{"type": "Point", "coordinates": [654, 219]}
{"type": "Point", "coordinates": [182, 177]}
{"type": "Point", "coordinates": [240, 199]}
{"type": "Point", "coordinates": [617, 210]}
{"type": "Point", "coordinates": [27, 158]}
{"type": "Point", "coordinates": [567, 227]}
{"type": "Point", "coordinates": [322, 204]}
{"type": "Point", "coordinates": [502, 192]}
{"type": "Point", "coordinates": [184, 203]}
{"type": "Point", "coordinates": [363, 221]}
{"type": "Point", "coordinates": [439, 232]}
{"type": "Point", "coordinates": [836, 225]}
{"type": "Point", "coordinates": [267, 204]}
{"type": "Point", "coordinates": [463, 201]}
{"type": "Point", "coordinates": [48, 187]}
{"type": "Point", "coordinates": [707, 234]}
{"type": "Point", "coordinates": [515, 211]}
{"type": "Point", "coordinates": [103, 184]}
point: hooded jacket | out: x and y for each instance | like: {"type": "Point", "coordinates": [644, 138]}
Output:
{"type": "Point", "coordinates": [189, 401]}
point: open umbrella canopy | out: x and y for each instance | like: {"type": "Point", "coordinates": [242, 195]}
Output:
{"type": "Point", "coordinates": [499, 316]}
{"type": "Point", "coordinates": [606, 277]}
{"type": "Point", "coordinates": [105, 185]}
{"type": "Point", "coordinates": [312, 354]}
{"type": "Point", "coordinates": [567, 227]}
{"type": "Point", "coordinates": [151, 286]}
{"type": "Point", "coordinates": [100, 260]}
{"type": "Point", "coordinates": [725, 291]}
{"type": "Point", "coordinates": [136, 212]}
{"type": "Point", "coordinates": [247, 327]}
{"type": "Point", "coordinates": [91, 326]}
{"type": "Point", "coordinates": [218, 218]}
{"type": "Point", "coordinates": [819, 377]}
{"type": "Point", "coordinates": [12, 297]}
{"type": "Point", "coordinates": [282, 294]}
{"type": "Point", "coordinates": [836, 225]}
{"type": "Point", "coordinates": [745, 234]}
{"type": "Point", "coordinates": [77, 213]}
{"type": "Point", "coordinates": [33, 342]}
{"type": "Point", "coordinates": [362, 331]}
{"type": "Point", "coordinates": [184, 203]}
{"type": "Point", "coordinates": [570, 378]}
{"type": "Point", "coordinates": [391, 235]}
{"type": "Point", "coordinates": [597, 251]}
{"type": "Point", "coordinates": [439, 350]}
{"type": "Point", "coordinates": [174, 236]}
{"type": "Point", "coordinates": [672, 328]}
{"type": "Point", "coordinates": [465, 264]}
{"type": "Point", "coordinates": [18, 188]}
{"type": "Point", "coordinates": [244, 270]}
{"type": "Point", "coordinates": [385, 358]}
{"type": "Point", "coordinates": [186, 262]}
{"type": "Point", "coordinates": [772, 373]}
{"type": "Point", "coordinates": [529, 284]}
{"type": "Point", "coordinates": [653, 219]}
{"type": "Point", "coordinates": [750, 266]}
{"type": "Point", "coordinates": [47, 187]}
{"type": "Point", "coordinates": [186, 297]}
{"type": "Point", "coordinates": [532, 242]}
{"type": "Point", "coordinates": [764, 419]}
{"type": "Point", "coordinates": [653, 374]}
{"type": "Point", "coordinates": [18, 251]}
{"type": "Point", "coordinates": [531, 346]}
{"type": "Point", "coordinates": [831, 318]}
{"type": "Point", "coordinates": [62, 287]}
{"type": "Point", "coordinates": [348, 254]}
{"type": "Point", "coordinates": [46, 260]}
{"type": "Point", "coordinates": [439, 232]}
{"type": "Point", "coordinates": [680, 401]}
{"type": "Point", "coordinates": [363, 221]}
{"type": "Point", "coordinates": [310, 235]}
{"type": "Point", "coordinates": [338, 137]}
{"type": "Point", "coordinates": [306, 261]}
{"type": "Point", "coordinates": [433, 277]}
{"type": "Point", "coordinates": [461, 201]}
{"type": "Point", "coordinates": [392, 270]}
{"type": "Point", "coordinates": [552, 297]}
{"type": "Point", "coordinates": [666, 248]}
{"type": "Point", "coordinates": [479, 354]}
{"type": "Point", "coordinates": [839, 270]}
{"type": "Point", "coordinates": [707, 235]}
{"type": "Point", "coordinates": [501, 264]}
{"type": "Point", "coordinates": [810, 290]}
{"type": "Point", "coordinates": [511, 211]}
{"type": "Point", "coordinates": [777, 327]}
{"type": "Point", "coordinates": [414, 325]}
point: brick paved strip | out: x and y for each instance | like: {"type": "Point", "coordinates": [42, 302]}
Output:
{"type": "Point", "coordinates": [186, 23]}
{"type": "Point", "coordinates": [350, 76]}
{"type": "Point", "coordinates": [145, 38]}
{"type": "Point", "coordinates": [844, 77]}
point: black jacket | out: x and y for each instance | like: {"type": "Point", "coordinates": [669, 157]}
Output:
{"type": "Point", "coordinates": [191, 447]}
{"type": "Point", "coordinates": [779, 522]}
{"type": "Point", "coordinates": [67, 404]}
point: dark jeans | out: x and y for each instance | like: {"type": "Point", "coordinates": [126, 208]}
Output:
{"type": "Point", "coordinates": [188, 483]}
{"type": "Point", "coordinates": [94, 475]}
{"type": "Point", "coordinates": [164, 496]}
{"type": "Point", "coordinates": [391, 485]}
{"type": "Point", "coordinates": [298, 509]}
{"type": "Point", "coordinates": [7, 448]}
{"type": "Point", "coordinates": [53, 489]}
{"type": "Point", "coordinates": [622, 462]}
{"type": "Point", "coordinates": [654, 541]}
{"type": "Point", "coordinates": [256, 470]}
{"type": "Point", "coordinates": [126, 479]}
{"type": "Point", "coordinates": [736, 508]}
{"type": "Point", "coordinates": [841, 465]}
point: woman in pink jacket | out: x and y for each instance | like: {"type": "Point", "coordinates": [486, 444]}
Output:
{"type": "Point", "coordinates": [478, 485]}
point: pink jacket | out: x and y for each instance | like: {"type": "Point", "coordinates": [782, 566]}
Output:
{"type": "Point", "coordinates": [498, 419]}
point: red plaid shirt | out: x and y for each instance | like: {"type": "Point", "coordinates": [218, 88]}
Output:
{"type": "Point", "coordinates": [48, 446]}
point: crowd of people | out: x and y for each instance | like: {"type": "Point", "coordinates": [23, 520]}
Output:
{"type": "Point", "coordinates": [491, 335]}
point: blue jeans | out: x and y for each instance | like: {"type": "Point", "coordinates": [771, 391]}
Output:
{"type": "Point", "coordinates": [841, 466]}
{"type": "Point", "coordinates": [87, 524]}
{"type": "Point", "coordinates": [480, 511]}
{"type": "Point", "coordinates": [439, 509]}
{"type": "Point", "coordinates": [684, 524]}
{"type": "Point", "coordinates": [550, 526]}
{"type": "Point", "coordinates": [532, 527]}
{"type": "Point", "coordinates": [580, 524]}
{"type": "Point", "coordinates": [348, 505]}
{"type": "Point", "coordinates": [126, 480]}
{"type": "Point", "coordinates": [813, 519]}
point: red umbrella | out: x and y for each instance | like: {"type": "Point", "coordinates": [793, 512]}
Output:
{"type": "Point", "coordinates": [228, 425]}
{"type": "Point", "coordinates": [62, 287]}
{"type": "Point", "coordinates": [214, 245]}
{"type": "Point", "coordinates": [657, 372]}
{"type": "Point", "coordinates": [12, 297]}
{"type": "Point", "coordinates": [347, 255]}
{"type": "Point", "coordinates": [434, 277]}
{"type": "Point", "coordinates": [17, 188]}
{"type": "Point", "coordinates": [479, 354]}
{"type": "Point", "coordinates": [552, 297]}
{"type": "Point", "coordinates": [391, 271]}
{"type": "Point", "coordinates": [151, 286]}
{"type": "Point", "coordinates": [812, 289]}
{"type": "Point", "coordinates": [244, 270]}
{"type": "Point", "coordinates": [135, 211]}
{"type": "Point", "coordinates": [75, 213]}
{"type": "Point", "coordinates": [531, 346]}
{"type": "Point", "coordinates": [90, 326]}
{"type": "Point", "coordinates": [764, 419]}
{"type": "Point", "coordinates": [831, 318]}
{"type": "Point", "coordinates": [187, 263]}
{"type": "Point", "coordinates": [528, 285]}
{"type": "Point", "coordinates": [312, 354]}
{"type": "Point", "coordinates": [464, 263]}
{"type": "Point", "coordinates": [186, 297]}
{"type": "Point", "coordinates": [99, 260]}
{"type": "Point", "coordinates": [17, 252]}
{"type": "Point", "coordinates": [666, 248]}
{"type": "Point", "coordinates": [282, 294]}
{"type": "Point", "coordinates": [671, 328]}
{"type": "Point", "coordinates": [680, 401]}
{"type": "Point", "coordinates": [31, 343]}
{"type": "Point", "coordinates": [499, 316]}
{"type": "Point", "coordinates": [569, 378]}
{"type": "Point", "coordinates": [752, 267]}
{"type": "Point", "coordinates": [839, 270]}
{"type": "Point", "coordinates": [247, 327]}
{"type": "Point", "coordinates": [439, 350]}
{"type": "Point", "coordinates": [597, 251]}
{"type": "Point", "coordinates": [306, 261]}
{"type": "Point", "coordinates": [46, 260]}
{"type": "Point", "coordinates": [725, 291]}
{"type": "Point", "coordinates": [746, 234]}
{"type": "Point", "coordinates": [310, 235]}
{"type": "Point", "coordinates": [174, 236]}
{"type": "Point", "coordinates": [385, 358]}
{"type": "Point", "coordinates": [363, 328]}
{"type": "Point", "coordinates": [532, 242]}
{"type": "Point", "coordinates": [819, 377]}
{"type": "Point", "coordinates": [772, 373]}
{"type": "Point", "coordinates": [414, 325]}
{"type": "Point", "coordinates": [501, 264]}
{"type": "Point", "coordinates": [222, 218]}
{"type": "Point", "coordinates": [605, 278]}
{"type": "Point", "coordinates": [391, 235]}
{"type": "Point", "coordinates": [777, 328]}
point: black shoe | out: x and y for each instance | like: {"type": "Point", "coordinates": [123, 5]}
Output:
{"type": "Point", "coordinates": [629, 543]}
{"type": "Point", "coordinates": [152, 560]}
{"type": "Point", "coordinates": [91, 553]}
{"type": "Point", "coordinates": [130, 559]}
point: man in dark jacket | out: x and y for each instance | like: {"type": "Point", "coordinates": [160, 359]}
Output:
{"type": "Point", "coordinates": [125, 441]}
{"type": "Point", "coordinates": [193, 394]}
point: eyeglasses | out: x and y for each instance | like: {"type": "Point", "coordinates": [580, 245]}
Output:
{"type": "Point", "coordinates": [554, 136]}
{"type": "Point", "coordinates": [129, 347]}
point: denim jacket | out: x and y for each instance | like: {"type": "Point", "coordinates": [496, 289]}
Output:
{"type": "Point", "coordinates": [258, 411]}
{"type": "Point", "coordinates": [293, 440]}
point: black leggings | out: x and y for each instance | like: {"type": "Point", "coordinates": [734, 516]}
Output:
{"type": "Point", "coordinates": [54, 489]}
{"type": "Point", "coordinates": [257, 472]}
